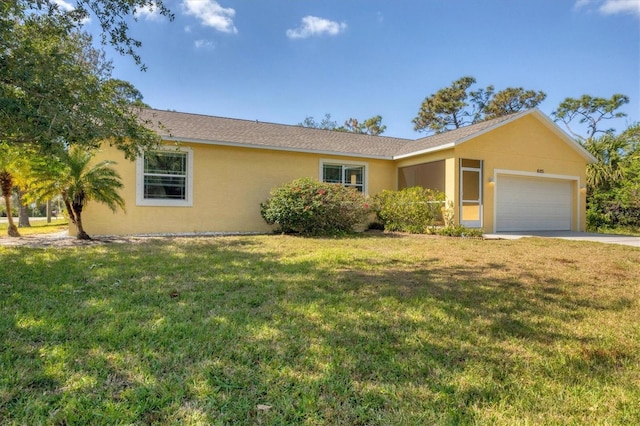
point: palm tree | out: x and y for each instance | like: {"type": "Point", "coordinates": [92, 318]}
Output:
{"type": "Point", "coordinates": [610, 151]}
{"type": "Point", "coordinates": [78, 181]}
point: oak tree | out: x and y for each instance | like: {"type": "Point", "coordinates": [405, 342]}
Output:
{"type": "Point", "coordinates": [56, 91]}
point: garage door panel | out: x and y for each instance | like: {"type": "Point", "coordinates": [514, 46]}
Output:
{"type": "Point", "coordinates": [533, 204]}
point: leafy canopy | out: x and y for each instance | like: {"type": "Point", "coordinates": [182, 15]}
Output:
{"type": "Point", "coordinates": [113, 16]}
{"type": "Point", "coordinates": [590, 110]}
{"type": "Point", "coordinates": [56, 89]}
{"type": "Point", "coordinates": [456, 106]}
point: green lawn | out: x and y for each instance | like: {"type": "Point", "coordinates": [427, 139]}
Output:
{"type": "Point", "coordinates": [38, 226]}
{"type": "Point", "coordinates": [375, 329]}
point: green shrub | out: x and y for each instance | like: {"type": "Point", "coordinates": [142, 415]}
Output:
{"type": "Point", "coordinates": [459, 231]}
{"type": "Point", "coordinates": [413, 210]}
{"type": "Point", "coordinates": [309, 207]}
{"type": "Point", "coordinates": [613, 209]}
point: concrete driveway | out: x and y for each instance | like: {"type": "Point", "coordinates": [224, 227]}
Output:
{"type": "Point", "coordinates": [569, 235]}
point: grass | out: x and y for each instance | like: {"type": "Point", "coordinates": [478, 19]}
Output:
{"type": "Point", "coordinates": [621, 230]}
{"type": "Point", "coordinates": [375, 329]}
{"type": "Point", "coordinates": [39, 226]}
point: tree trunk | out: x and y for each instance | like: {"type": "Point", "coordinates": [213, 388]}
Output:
{"type": "Point", "coordinates": [82, 235]}
{"type": "Point", "coordinates": [77, 212]}
{"type": "Point", "coordinates": [23, 217]}
{"type": "Point", "coordinates": [67, 204]}
{"type": "Point", "coordinates": [6, 184]}
{"type": "Point", "coordinates": [49, 205]}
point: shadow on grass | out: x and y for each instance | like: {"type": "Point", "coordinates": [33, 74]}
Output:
{"type": "Point", "coordinates": [194, 331]}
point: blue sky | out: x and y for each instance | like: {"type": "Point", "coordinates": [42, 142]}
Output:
{"type": "Point", "coordinates": [283, 60]}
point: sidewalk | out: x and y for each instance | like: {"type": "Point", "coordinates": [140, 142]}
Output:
{"type": "Point", "coordinates": [34, 218]}
{"type": "Point", "coordinates": [569, 235]}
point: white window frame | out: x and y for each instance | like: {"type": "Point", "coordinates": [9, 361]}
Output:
{"type": "Point", "coordinates": [187, 202]}
{"type": "Point", "coordinates": [346, 163]}
{"type": "Point", "coordinates": [480, 170]}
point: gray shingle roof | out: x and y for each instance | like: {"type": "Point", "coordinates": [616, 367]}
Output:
{"type": "Point", "coordinates": [229, 131]}
{"type": "Point", "coordinates": [189, 127]}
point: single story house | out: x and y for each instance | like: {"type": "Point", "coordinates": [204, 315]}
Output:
{"type": "Point", "coordinates": [519, 172]}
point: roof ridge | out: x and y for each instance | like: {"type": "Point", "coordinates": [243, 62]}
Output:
{"type": "Point", "coordinates": [276, 124]}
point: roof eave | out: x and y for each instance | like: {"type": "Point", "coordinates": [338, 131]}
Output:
{"type": "Point", "coordinates": [424, 151]}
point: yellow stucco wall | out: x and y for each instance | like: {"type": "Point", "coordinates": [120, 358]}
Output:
{"type": "Point", "coordinates": [229, 183]}
{"type": "Point", "coordinates": [525, 145]}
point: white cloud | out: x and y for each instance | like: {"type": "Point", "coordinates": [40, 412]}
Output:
{"type": "Point", "coordinates": [611, 7]}
{"type": "Point", "coordinates": [582, 3]}
{"type": "Point", "coordinates": [211, 14]}
{"type": "Point", "coordinates": [204, 44]}
{"type": "Point", "coordinates": [64, 5]}
{"type": "Point", "coordinates": [149, 13]}
{"type": "Point", "coordinates": [314, 26]}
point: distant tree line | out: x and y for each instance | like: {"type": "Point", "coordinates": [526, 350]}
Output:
{"type": "Point", "coordinates": [371, 126]}
{"type": "Point", "coordinates": [449, 108]}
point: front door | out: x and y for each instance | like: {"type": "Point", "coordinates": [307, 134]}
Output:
{"type": "Point", "coordinates": [471, 193]}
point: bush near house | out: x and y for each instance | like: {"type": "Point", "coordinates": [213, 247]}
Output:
{"type": "Point", "coordinates": [618, 208]}
{"type": "Point", "coordinates": [453, 230]}
{"type": "Point", "coordinates": [308, 207]}
{"type": "Point", "coordinates": [416, 210]}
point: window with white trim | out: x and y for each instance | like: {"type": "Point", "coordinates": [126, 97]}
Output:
{"type": "Point", "coordinates": [353, 175]}
{"type": "Point", "coordinates": [164, 178]}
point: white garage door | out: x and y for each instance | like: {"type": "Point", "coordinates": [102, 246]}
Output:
{"type": "Point", "coordinates": [533, 204]}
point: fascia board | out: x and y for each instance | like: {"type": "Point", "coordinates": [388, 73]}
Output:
{"type": "Point", "coordinates": [424, 151]}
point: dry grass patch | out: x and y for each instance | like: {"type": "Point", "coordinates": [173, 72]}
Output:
{"type": "Point", "coordinates": [375, 329]}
